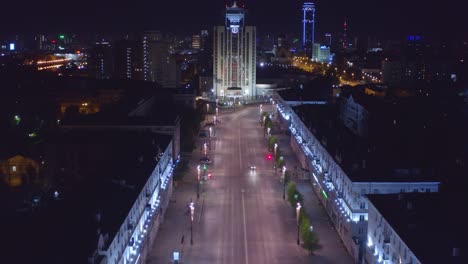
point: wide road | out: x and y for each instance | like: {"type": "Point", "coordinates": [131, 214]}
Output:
{"type": "Point", "coordinates": [241, 216]}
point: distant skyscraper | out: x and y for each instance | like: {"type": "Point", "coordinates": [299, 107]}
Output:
{"type": "Point", "coordinates": [158, 64]}
{"type": "Point", "coordinates": [345, 34]}
{"type": "Point", "coordinates": [204, 39]}
{"type": "Point", "coordinates": [308, 27]}
{"type": "Point", "coordinates": [328, 39]}
{"type": "Point", "coordinates": [196, 39]}
{"type": "Point", "coordinates": [128, 62]}
{"type": "Point", "coordinates": [100, 60]}
{"type": "Point", "coordinates": [150, 38]}
{"type": "Point", "coordinates": [234, 56]}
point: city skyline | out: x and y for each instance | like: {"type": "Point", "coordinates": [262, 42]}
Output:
{"type": "Point", "coordinates": [384, 19]}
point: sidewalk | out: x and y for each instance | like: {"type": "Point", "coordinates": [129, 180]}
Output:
{"type": "Point", "coordinates": [333, 250]}
{"type": "Point", "coordinates": [174, 232]}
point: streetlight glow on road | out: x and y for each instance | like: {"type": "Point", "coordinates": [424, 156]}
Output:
{"type": "Point", "coordinates": [192, 212]}
{"type": "Point", "coordinates": [298, 210]}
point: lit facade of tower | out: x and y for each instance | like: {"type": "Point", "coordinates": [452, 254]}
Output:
{"type": "Point", "coordinates": [234, 57]}
{"type": "Point", "coordinates": [345, 34]}
{"type": "Point", "coordinates": [308, 27]}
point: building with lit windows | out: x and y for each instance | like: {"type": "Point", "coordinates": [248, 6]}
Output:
{"type": "Point", "coordinates": [234, 57]}
{"type": "Point", "coordinates": [196, 42]}
{"type": "Point", "coordinates": [128, 63]}
{"type": "Point", "coordinates": [308, 28]}
{"type": "Point", "coordinates": [158, 64]}
{"type": "Point", "coordinates": [321, 53]}
{"type": "Point", "coordinates": [100, 60]}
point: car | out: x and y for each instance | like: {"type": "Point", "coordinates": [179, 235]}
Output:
{"type": "Point", "coordinates": [205, 160]}
{"type": "Point", "coordinates": [252, 167]}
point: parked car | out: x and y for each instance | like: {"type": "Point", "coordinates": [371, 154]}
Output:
{"type": "Point", "coordinates": [205, 160]}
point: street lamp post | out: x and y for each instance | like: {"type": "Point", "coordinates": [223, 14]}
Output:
{"type": "Point", "coordinates": [192, 211]}
{"type": "Point", "coordinates": [284, 183]}
{"type": "Point", "coordinates": [298, 210]}
{"type": "Point", "coordinates": [276, 147]}
{"type": "Point", "coordinates": [198, 181]}
{"type": "Point", "coordinates": [284, 188]}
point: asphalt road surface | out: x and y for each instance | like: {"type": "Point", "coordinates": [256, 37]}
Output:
{"type": "Point", "coordinates": [241, 216]}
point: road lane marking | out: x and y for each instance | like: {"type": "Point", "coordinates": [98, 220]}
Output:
{"type": "Point", "coordinates": [245, 232]}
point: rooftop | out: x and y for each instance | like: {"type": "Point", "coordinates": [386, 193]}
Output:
{"type": "Point", "coordinates": [428, 225]}
{"type": "Point", "coordinates": [99, 175]}
{"type": "Point", "coordinates": [389, 153]}
{"type": "Point", "coordinates": [150, 110]}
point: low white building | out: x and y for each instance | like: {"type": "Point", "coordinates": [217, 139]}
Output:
{"type": "Point", "coordinates": [414, 228]}
{"type": "Point", "coordinates": [138, 231]}
{"type": "Point", "coordinates": [343, 195]}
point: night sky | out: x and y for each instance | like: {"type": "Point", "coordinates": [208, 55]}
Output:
{"type": "Point", "coordinates": [375, 17]}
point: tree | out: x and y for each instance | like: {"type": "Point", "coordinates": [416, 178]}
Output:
{"type": "Point", "coordinates": [271, 142]}
{"type": "Point", "coordinates": [291, 190]}
{"type": "Point", "coordinates": [309, 238]}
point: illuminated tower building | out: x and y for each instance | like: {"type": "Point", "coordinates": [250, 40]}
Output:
{"type": "Point", "coordinates": [345, 34]}
{"type": "Point", "coordinates": [308, 27]}
{"type": "Point", "coordinates": [234, 57]}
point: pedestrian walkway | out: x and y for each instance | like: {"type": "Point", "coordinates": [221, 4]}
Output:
{"type": "Point", "coordinates": [333, 250]}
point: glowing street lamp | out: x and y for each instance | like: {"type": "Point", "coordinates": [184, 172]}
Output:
{"type": "Point", "coordinates": [211, 132]}
{"type": "Point", "coordinates": [192, 212]}
{"type": "Point", "coordinates": [205, 148]}
{"type": "Point", "coordinates": [268, 131]}
{"type": "Point", "coordinates": [207, 108]}
{"type": "Point", "coordinates": [198, 181]}
{"type": "Point", "coordinates": [276, 147]}
{"type": "Point", "coordinates": [298, 211]}
{"type": "Point", "coordinates": [216, 110]}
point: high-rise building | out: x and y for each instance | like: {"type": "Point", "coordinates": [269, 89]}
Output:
{"type": "Point", "coordinates": [204, 36]}
{"type": "Point", "coordinates": [308, 27]}
{"type": "Point", "coordinates": [150, 38]}
{"type": "Point", "coordinates": [234, 57]}
{"type": "Point", "coordinates": [196, 42]}
{"type": "Point", "coordinates": [328, 39]}
{"type": "Point", "coordinates": [128, 62]}
{"type": "Point", "coordinates": [158, 64]}
{"type": "Point", "coordinates": [100, 60]}
{"type": "Point", "coordinates": [345, 34]}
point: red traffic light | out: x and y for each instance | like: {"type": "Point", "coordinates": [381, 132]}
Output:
{"type": "Point", "coordinates": [269, 157]}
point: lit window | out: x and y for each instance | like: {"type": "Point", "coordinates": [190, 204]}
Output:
{"type": "Point", "coordinates": [13, 168]}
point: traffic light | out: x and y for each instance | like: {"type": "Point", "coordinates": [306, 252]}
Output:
{"type": "Point", "coordinates": [204, 167]}
{"type": "Point", "coordinates": [269, 157]}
